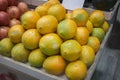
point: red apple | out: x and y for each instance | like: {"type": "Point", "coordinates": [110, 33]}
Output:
{"type": "Point", "coordinates": [4, 18]}
{"type": "Point", "coordinates": [23, 7]}
{"type": "Point", "coordinates": [3, 5]}
{"type": "Point", "coordinates": [13, 2]}
{"type": "Point", "coordinates": [14, 22]}
{"type": "Point", "coordinates": [4, 32]}
{"type": "Point", "coordinates": [14, 12]}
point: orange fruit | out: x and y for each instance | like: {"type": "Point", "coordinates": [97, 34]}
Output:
{"type": "Point", "coordinates": [99, 33]}
{"type": "Point", "coordinates": [51, 3]}
{"type": "Point", "coordinates": [105, 26]}
{"type": "Point", "coordinates": [6, 46]}
{"type": "Point", "coordinates": [89, 26]}
{"type": "Point", "coordinates": [36, 58]}
{"type": "Point", "coordinates": [67, 29]}
{"type": "Point", "coordinates": [76, 70]}
{"type": "Point", "coordinates": [54, 65]}
{"type": "Point", "coordinates": [58, 11]}
{"type": "Point", "coordinates": [70, 50]}
{"type": "Point", "coordinates": [20, 53]}
{"type": "Point", "coordinates": [87, 55]}
{"type": "Point", "coordinates": [15, 33]}
{"type": "Point", "coordinates": [80, 16]}
{"type": "Point", "coordinates": [97, 18]}
{"type": "Point", "coordinates": [94, 43]}
{"type": "Point", "coordinates": [47, 24]}
{"type": "Point", "coordinates": [30, 39]}
{"type": "Point", "coordinates": [50, 44]}
{"type": "Point", "coordinates": [29, 19]}
{"type": "Point", "coordinates": [41, 10]}
{"type": "Point", "coordinates": [82, 35]}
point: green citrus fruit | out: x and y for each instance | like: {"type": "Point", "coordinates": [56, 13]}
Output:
{"type": "Point", "coordinates": [67, 29]}
{"type": "Point", "coordinates": [20, 53]}
{"type": "Point", "coordinates": [15, 33]}
{"type": "Point", "coordinates": [6, 46]}
{"type": "Point", "coordinates": [99, 33]}
{"type": "Point", "coordinates": [70, 50]}
{"type": "Point", "coordinates": [50, 44]}
{"type": "Point", "coordinates": [36, 58]}
{"type": "Point", "coordinates": [29, 19]}
{"type": "Point", "coordinates": [87, 55]}
{"type": "Point", "coordinates": [30, 39]}
{"type": "Point", "coordinates": [97, 18]}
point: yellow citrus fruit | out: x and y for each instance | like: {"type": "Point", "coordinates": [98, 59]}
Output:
{"type": "Point", "coordinates": [89, 26]}
{"type": "Point", "coordinates": [99, 33]}
{"type": "Point", "coordinates": [80, 16]}
{"type": "Point", "coordinates": [51, 3]}
{"type": "Point", "coordinates": [15, 33]}
{"type": "Point", "coordinates": [36, 58]}
{"type": "Point", "coordinates": [55, 1]}
{"type": "Point", "coordinates": [6, 46]}
{"type": "Point", "coordinates": [105, 26]}
{"type": "Point", "coordinates": [87, 55]}
{"type": "Point", "coordinates": [76, 70]}
{"type": "Point", "coordinates": [29, 19]}
{"type": "Point", "coordinates": [58, 11]}
{"type": "Point", "coordinates": [30, 39]}
{"type": "Point", "coordinates": [94, 43]}
{"type": "Point", "coordinates": [70, 50]}
{"type": "Point", "coordinates": [97, 18]}
{"type": "Point", "coordinates": [68, 15]}
{"type": "Point", "coordinates": [41, 10]}
{"type": "Point", "coordinates": [50, 44]}
{"type": "Point", "coordinates": [20, 53]}
{"type": "Point", "coordinates": [82, 35]}
{"type": "Point", "coordinates": [67, 29]}
{"type": "Point", "coordinates": [47, 24]}
{"type": "Point", "coordinates": [54, 65]}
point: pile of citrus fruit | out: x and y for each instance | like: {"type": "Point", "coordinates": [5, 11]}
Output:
{"type": "Point", "coordinates": [57, 41]}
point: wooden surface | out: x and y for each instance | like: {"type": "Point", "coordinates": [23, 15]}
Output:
{"type": "Point", "coordinates": [108, 67]}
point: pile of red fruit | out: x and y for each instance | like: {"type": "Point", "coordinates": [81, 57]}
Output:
{"type": "Point", "coordinates": [10, 12]}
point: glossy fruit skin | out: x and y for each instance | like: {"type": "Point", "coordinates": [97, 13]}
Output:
{"type": "Point", "coordinates": [76, 70]}
{"type": "Point", "coordinates": [99, 33]}
{"type": "Point", "coordinates": [97, 17]}
{"type": "Point", "coordinates": [50, 44]}
{"type": "Point", "coordinates": [20, 53]}
{"type": "Point", "coordinates": [29, 19]}
{"type": "Point", "coordinates": [4, 32]}
{"type": "Point", "coordinates": [67, 29]}
{"type": "Point", "coordinates": [87, 55]}
{"type": "Point", "coordinates": [36, 58]}
{"type": "Point", "coordinates": [58, 11]}
{"type": "Point", "coordinates": [15, 33]}
{"type": "Point", "coordinates": [94, 43]}
{"type": "Point", "coordinates": [47, 24]}
{"type": "Point", "coordinates": [82, 35]}
{"type": "Point", "coordinates": [4, 18]}
{"type": "Point", "coordinates": [54, 65]}
{"type": "Point", "coordinates": [80, 16]}
{"type": "Point", "coordinates": [5, 47]}
{"type": "Point", "coordinates": [3, 5]}
{"type": "Point", "coordinates": [70, 50]}
{"type": "Point", "coordinates": [30, 39]}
